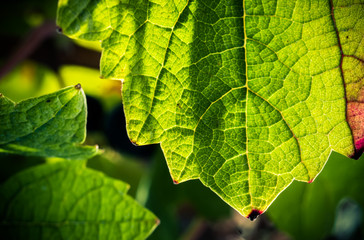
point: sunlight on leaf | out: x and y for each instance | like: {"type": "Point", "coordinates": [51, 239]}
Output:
{"type": "Point", "coordinates": [95, 45]}
{"type": "Point", "coordinates": [28, 80]}
{"type": "Point", "coordinates": [107, 91]}
{"type": "Point", "coordinates": [246, 96]}
{"type": "Point", "coordinates": [350, 26]}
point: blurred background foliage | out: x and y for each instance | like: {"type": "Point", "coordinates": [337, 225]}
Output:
{"type": "Point", "coordinates": [36, 60]}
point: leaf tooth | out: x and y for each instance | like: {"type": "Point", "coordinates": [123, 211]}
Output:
{"type": "Point", "coordinates": [134, 142]}
{"type": "Point", "coordinates": [254, 214]}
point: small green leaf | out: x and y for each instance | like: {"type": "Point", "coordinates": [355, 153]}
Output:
{"type": "Point", "coordinates": [52, 125]}
{"type": "Point", "coordinates": [68, 201]}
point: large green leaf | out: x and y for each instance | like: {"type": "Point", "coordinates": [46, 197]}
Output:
{"type": "Point", "coordinates": [244, 95]}
{"type": "Point", "coordinates": [52, 125]}
{"type": "Point", "coordinates": [68, 201]}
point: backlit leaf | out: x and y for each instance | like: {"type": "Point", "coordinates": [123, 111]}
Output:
{"type": "Point", "coordinates": [349, 19]}
{"type": "Point", "coordinates": [244, 95]}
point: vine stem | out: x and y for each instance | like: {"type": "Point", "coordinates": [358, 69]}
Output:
{"type": "Point", "coordinates": [28, 46]}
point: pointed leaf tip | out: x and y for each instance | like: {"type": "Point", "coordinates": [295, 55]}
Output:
{"type": "Point", "coordinates": [78, 86]}
{"type": "Point", "coordinates": [175, 182]}
{"type": "Point", "coordinates": [134, 143]}
{"type": "Point", "coordinates": [254, 214]}
{"type": "Point", "coordinates": [357, 154]}
{"type": "Point", "coordinates": [46, 115]}
{"type": "Point", "coordinates": [359, 145]}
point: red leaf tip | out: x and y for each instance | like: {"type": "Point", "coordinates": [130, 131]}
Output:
{"type": "Point", "coordinates": [359, 145]}
{"type": "Point", "coordinates": [175, 182]}
{"type": "Point", "coordinates": [254, 214]}
{"type": "Point", "coordinates": [310, 181]}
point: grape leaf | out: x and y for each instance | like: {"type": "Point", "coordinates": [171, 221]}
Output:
{"type": "Point", "coordinates": [246, 96]}
{"type": "Point", "coordinates": [52, 125]}
{"type": "Point", "coordinates": [68, 201]}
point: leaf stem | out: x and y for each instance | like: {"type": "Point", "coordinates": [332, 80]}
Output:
{"type": "Point", "coordinates": [27, 47]}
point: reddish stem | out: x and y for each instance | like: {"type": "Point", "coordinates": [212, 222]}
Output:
{"type": "Point", "coordinates": [28, 46]}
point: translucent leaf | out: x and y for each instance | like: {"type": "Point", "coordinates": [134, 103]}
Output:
{"type": "Point", "coordinates": [246, 96]}
{"type": "Point", "coordinates": [349, 19]}
{"type": "Point", "coordinates": [107, 91]}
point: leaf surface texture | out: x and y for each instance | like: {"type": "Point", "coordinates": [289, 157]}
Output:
{"type": "Point", "coordinates": [68, 201]}
{"type": "Point", "coordinates": [52, 125]}
{"type": "Point", "coordinates": [244, 95]}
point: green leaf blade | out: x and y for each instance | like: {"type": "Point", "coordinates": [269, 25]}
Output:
{"type": "Point", "coordinates": [52, 125]}
{"type": "Point", "coordinates": [68, 201]}
{"type": "Point", "coordinates": [244, 96]}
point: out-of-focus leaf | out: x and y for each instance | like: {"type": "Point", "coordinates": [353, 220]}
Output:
{"type": "Point", "coordinates": [28, 80]}
{"type": "Point", "coordinates": [107, 91]}
{"type": "Point", "coordinates": [123, 167]}
{"type": "Point", "coordinates": [307, 211]}
{"type": "Point", "coordinates": [52, 125]}
{"type": "Point", "coordinates": [18, 17]}
{"type": "Point", "coordinates": [16, 164]}
{"type": "Point", "coordinates": [68, 201]}
{"type": "Point", "coordinates": [348, 220]}
{"type": "Point", "coordinates": [168, 201]}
